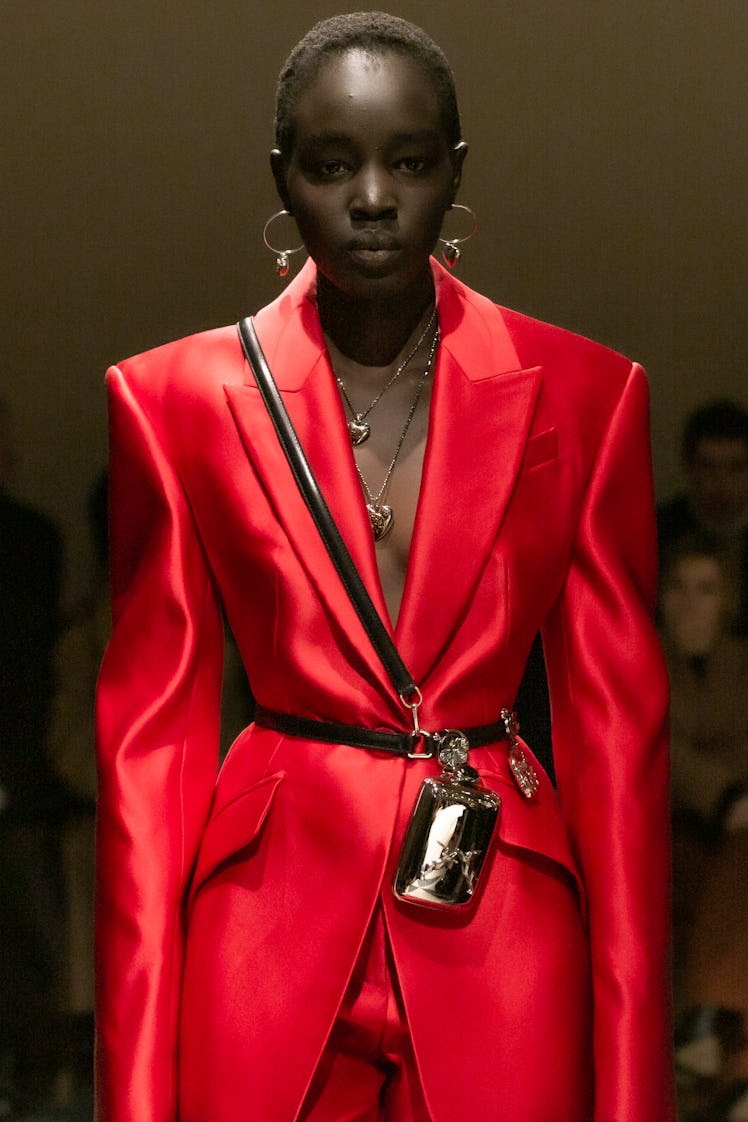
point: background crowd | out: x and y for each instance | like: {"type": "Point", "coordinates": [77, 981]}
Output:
{"type": "Point", "coordinates": [703, 612]}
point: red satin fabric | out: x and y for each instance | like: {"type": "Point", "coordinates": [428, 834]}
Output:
{"type": "Point", "coordinates": [368, 1072]}
{"type": "Point", "coordinates": [230, 915]}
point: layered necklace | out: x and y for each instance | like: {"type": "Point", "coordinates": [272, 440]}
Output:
{"type": "Point", "coordinates": [380, 513]}
{"type": "Point", "coordinates": [358, 426]}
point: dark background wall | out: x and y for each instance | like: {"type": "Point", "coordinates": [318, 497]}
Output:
{"type": "Point", "coordinates": [608, 168]}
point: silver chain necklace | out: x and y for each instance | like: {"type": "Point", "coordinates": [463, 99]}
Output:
{"type": "Point", "coordinates": [381, 515]}
{"type": "Point", "coordinates": [358, 426]}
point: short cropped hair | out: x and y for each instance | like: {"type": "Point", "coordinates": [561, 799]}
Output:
{"type": "Point", "coordinates": [695, 543]}
{"type": "Point", "coordinates": [717, 420]}
{"type": "Point", "coordinates": [375, 33]}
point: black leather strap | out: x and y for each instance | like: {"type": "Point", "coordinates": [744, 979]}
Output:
{"type": "Point", "coordinates": [341, 558]}
{"type": "Point", "coordinates": [397, 743]}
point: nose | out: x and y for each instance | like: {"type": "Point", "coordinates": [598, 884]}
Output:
{"type": "Point", "coordinates": [373, 196]}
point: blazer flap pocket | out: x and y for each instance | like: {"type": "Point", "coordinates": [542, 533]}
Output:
{"type": "Point", "coordinates": [234, 827]}
{"type": "Point", "coordinates": [536, 825]}
{"type": "Point", "coordinates": [540, 448]}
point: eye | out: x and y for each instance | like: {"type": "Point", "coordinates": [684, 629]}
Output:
{"type": "Point", "coordinates": [331, 169]}
{"type": "Point", "coordinates": [412, 164]}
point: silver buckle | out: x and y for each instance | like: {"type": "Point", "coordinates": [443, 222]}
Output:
{"type": "Point", "coordinates": [431, 738]}
{"type": "Point", "coordinates": [450, 745]}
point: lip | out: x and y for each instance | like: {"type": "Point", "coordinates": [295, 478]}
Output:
{"type": "Point", "coordinates": [374, 252]}
{"type": "Point", "coordinates": [373, 242]}
{"type": "Point", "coordinates": [373, 262]}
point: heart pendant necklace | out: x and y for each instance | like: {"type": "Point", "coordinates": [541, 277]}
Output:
{"type": "Point", "coordinates": [381, 515]}
{"type": "Point", "coordinates": [358, 427]}
{"type": "Point", "coordinates": [381, 520]}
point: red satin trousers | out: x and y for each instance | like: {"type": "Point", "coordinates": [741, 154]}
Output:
{"type": "Point", "coordinates": [368, 1071]}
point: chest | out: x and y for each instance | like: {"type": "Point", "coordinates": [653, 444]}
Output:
{"type": "Point", "coordinates": [390, 468]}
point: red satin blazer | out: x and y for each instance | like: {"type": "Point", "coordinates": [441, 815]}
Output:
{"type": "Point", "coordinates": [230, 913]}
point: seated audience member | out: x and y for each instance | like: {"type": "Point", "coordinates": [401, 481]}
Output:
{"type": "Point", "coordinates": [714, 503]}
{"type": "Point", "coordinates": [712, 1047]}
{"type": "Point", "coordinates": [708, 671]}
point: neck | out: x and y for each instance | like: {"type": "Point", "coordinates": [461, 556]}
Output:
{"type": "Point", "coordinates": [373, 332]}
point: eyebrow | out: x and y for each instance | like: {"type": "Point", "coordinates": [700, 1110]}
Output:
{"type": "Point", "coordinates": [419, 137]}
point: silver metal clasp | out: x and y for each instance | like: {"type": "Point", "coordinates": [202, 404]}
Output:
{"type": "Point", "coordinates": [418, 735]}
{"type": "Point", "coordinates": [427, 738]}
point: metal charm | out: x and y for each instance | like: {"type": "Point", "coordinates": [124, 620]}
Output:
{"type": "Point", "coordinates": [451, 254]}
{"type": "Point", "coordinates": [359, 429]}
{"type": "Point", "coordinates": [449, 833]}
{"type": "Point", "coordinates": [381, 518]}
{"type": "Point", "coordinates": [524, 773]}
{"type": "Point", "coordinates": [454, 749]}
{"type": "Point", "coordinates": [282, 264]}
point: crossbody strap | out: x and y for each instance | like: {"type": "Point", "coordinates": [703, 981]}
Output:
{"type": "Point", "coordinates": [386, 650]}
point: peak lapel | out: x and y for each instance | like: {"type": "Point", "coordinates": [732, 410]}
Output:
{"type": "Point", "coordinates": [481, 411]}
{"type": "Point", "coordinates": [291, 338]}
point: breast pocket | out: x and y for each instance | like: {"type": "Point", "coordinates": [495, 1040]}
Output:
{"type": "Point", "coordinates": [540, 449]}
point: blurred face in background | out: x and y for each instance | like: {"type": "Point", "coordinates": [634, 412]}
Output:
{"type": "Point", "coordinates": [694, 604]}
{"type": "Point", "coordinates": [718, 473]}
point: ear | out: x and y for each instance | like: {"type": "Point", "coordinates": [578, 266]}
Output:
{"type": "Point", "coordinates": [458, 154]}
{"type": "Point", "coordinates": [278, 168]}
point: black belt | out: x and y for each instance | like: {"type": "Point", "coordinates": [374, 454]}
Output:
{"type": "Point", "coordinates": [397, 743]}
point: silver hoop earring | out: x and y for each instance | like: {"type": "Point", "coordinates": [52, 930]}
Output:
{"type": "Point", "coordinates": [451, 252]}
{"type": "Point", "coordinates": [281, 255]}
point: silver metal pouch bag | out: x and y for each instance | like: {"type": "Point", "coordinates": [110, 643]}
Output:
{"type": "Point", "coordinates": [449, 834]}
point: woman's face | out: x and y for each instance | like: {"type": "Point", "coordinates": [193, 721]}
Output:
{"type": "Point", "coordinates": [693, 604]}
{"type": "Point", "coordinates": [371, 172]}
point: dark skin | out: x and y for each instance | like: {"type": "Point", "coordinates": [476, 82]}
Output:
{"type": "Point", "coordinates": [368, 180]}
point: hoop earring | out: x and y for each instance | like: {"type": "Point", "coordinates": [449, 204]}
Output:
{"type": "Point", "coordinates": [451, 252]}
{"type": "Point", "coordinates": [281, 255]}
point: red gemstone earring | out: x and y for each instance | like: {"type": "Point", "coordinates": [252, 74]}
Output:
{"type": "Point", "coordinates": [451, 252]}
{"type": "Point", "coordinates": [281, 255]}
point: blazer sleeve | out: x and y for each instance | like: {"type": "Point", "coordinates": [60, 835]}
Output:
{"type": "Point", "coordinates": [609, 694]}
{"type": "Point", "coordinates": [157, 746]}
